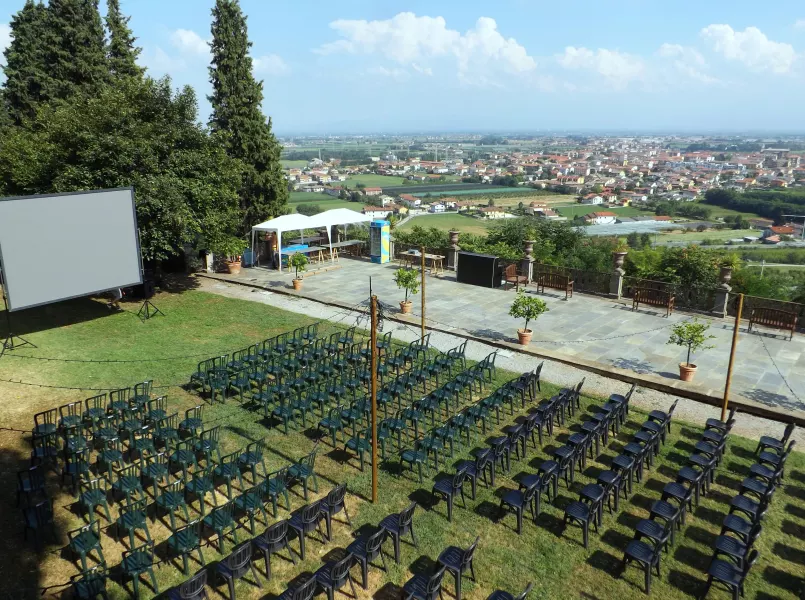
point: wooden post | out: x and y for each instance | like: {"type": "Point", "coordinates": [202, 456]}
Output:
{"type": "Point", "coordinates": [422, 254]}
{"type": "Point", "coordinates": [732, 356]}
{"type": "Point", "coordinates": [373, 392]}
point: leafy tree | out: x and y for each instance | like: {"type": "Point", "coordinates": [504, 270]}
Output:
{"type": "Point", "coordinates": [645, 240]}
{"type": "Point", "coordinates": [25, 69]}
{"type": "Point", "coordinates": [633, 240]}
{"type": "Point", "coordinates": [236, 111]}
{"type": "Point", "coordinates": [528, 307]}
{"type": "Point", "coordinates": [408, 280]}
{"type": "Point", "coordinates": [308, 209]}
{"type": "Point", "coordinates": [132, 133]}
{"type": "Point", "coordinates": [360, 186]}
{"type": "Point", "coordinates": [691, 335]}
{"type": "Point", "coordinates": [122, 53]}
{"type": "Point", "coordinates": [75, 52]}
{"type": "Point", "coordinates": [342, 195]}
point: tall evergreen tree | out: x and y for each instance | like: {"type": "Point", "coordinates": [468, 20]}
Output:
{"type": "Point", "coordinates": [121, 52]}
{"type": "Point", "coordinates": [75, 48]}
{"type": "Point", "coordinates": [25, 70]}
{"type": "Point", "coordinates": [236, 112]}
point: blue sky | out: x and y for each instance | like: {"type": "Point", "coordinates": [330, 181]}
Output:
{"type": "Point", "coordinates": [512, 65]}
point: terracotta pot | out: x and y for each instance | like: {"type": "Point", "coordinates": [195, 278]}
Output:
{"type": "Point", "coordinates": [297, 284]}
{"type": "Point", "coordinates": [687, 371]}
{"type": "Point", "coordinates": [233, 267]}
{"type": "Point", "coordinates": [525, 336]}
{"type": "Point", "coordinates": [405, 307]}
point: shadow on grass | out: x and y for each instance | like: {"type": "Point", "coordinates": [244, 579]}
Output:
{"type": "Point", "coordinates": [689, 433]}
{"type": "Point", "coordinates": [794, 492]}
{"type": "Point", "coordinates": [615, 539]}
{"type": "Point", "coordinates": [692, 557]}
{"type": "Point", "coordinates": [687, 583]}
{"type": "Point", "coordinates": [795, 511]}
{"type": "Point", "coordinates": [700, 535]}
{"type": "Point", "coordinates": [782, 579]}
{"type": "Point", "coordinates": [786, 552]}
{"type": "Point", "coordinates": [795, 529]}
{"type": "Point", "coordinates": [708, 514]}
{"type": "Point", "coordinates": [606, 562]}
{"type": "Point", "coordinates": [389, 591]}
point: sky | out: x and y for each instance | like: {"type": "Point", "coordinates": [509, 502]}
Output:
{"type": "Point", "coordinates": [366, 66]}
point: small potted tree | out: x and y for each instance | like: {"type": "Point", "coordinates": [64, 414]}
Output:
{"type": "Point", "coordinates": [528, 307]}
{"type": "Point", "coordinates": [231, 248]}
{"type": "Point", "coordinates": [299, 262]}
{"type": "Point", "coordinates": [693, 336]}
{"type": "Point", "coordinates": [408, 280]}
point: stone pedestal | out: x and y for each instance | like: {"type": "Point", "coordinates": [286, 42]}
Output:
{"type": "Point", "coordinates": [527, 263]}
{"type": "Point", "coordinates": [722, 293]}
{"type": "Point", "coordinates": [452, 251]}
{"type": "Point", "coordinates": [616, 281]}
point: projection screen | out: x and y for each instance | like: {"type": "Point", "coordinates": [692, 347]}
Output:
{"type": "Point", "coordinates": [61, 246]}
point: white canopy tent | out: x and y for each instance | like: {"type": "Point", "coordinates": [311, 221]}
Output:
{"type": "Point", "coordinates": [298, 222]}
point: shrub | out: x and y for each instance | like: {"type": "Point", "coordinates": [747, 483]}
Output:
{"type": "Point", "coordinates": [528, 307]}
{"type": "Point", "coordinates": [692, 335]}
{"type": "Point", "coordinates": [408, 280]}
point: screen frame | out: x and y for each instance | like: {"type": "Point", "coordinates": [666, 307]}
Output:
{"type": "Point", "coordinates": [4, 281]}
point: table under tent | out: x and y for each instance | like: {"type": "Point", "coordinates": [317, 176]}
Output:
{"type": "Point", "coordinates": [298, 223]}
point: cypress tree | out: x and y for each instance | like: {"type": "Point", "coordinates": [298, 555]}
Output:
{"type": "Point", "coordinates": [121, 52]}
{"type": "Point", "coordinates": [26, 74]}
{"type": "Point", "coordinates": [236, 112]}
{"type": "Point", "coordinates": [75, 48]}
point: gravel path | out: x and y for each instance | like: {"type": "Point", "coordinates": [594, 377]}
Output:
{"type": "Point", "coordinates": [557, 373]}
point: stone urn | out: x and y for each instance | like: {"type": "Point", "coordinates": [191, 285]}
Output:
{"type": "Point", "coordinates": [617, 260]}
{"type": "Point", "coordinates": [528, 248]}
{"type": "Point", "coordinates": [726, 277]}
{"type": "Point", "coordinates": [453, 237]}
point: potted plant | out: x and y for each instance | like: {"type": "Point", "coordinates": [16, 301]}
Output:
{"type": "Point", "coordinates": [693, 336]}
{"type": "Point", "coordinates": [231, 248]}
{"type": "Point", "coordinates": [526, 307]}
{"type": "Point", "coordinates": [729, 263]}
{"type": "Point", "coordinates": [408, 280]}
{"type": "Point", "coordinates": [299, 262]}
{"type": "Point", "coordinates": [619, 254]}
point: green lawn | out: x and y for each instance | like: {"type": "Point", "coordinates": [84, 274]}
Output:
{"type": "Point", "coordinates": [371, 180]}
{"type": "Point", "coordinates": [718, 211]}
{"type": "Point", "coordinates": [324, 201]}
{"type": "Point", "coordinates": [463, 223]}
{"type": "Point", "coordinates": [585, 209]}
{"type": "Point", "coordinates": [294, 164]}
{"type": "Point", "coordinates": [717, 235]}
{"type": "Point", "coordinates": [545, 554]}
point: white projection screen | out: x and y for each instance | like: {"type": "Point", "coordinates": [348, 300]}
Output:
{"type": "Point", "coordinates": [61, 246]}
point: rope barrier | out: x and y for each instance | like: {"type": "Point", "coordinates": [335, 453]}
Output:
{"type": "Point", "coordinates": [779, 372]}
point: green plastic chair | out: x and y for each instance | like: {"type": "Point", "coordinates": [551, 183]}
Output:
{"type": "Point", "coordinates": [186, 540]}
{"type": "Point", "coordinates": [275, 484]}
{"type": "Point", "coordinates": [184, 456]}
{"type": "Point", "coordinates": [241, 383]}
{"type": "Point", "coordinates": [133, 516]}
{"type": "Point", "coordinates": [219, 384]}
{"type": "Point", "coordinates": [201, 377]}
{"type": "Point", "coordinates": [154, 469]}
{"type": "Point", "coordinates": [201, 483]}
{"type": "Point", "coordinates": [431, 443]}
{"type": "Point", "coordinates": [76, 467]}
{"type": "Point", "coordinates": [301, 406]}
{"type": "Point", "coordinates": [192, 422]}
{"type": "Point", "coordinates": [39, 519]}
{"type": "Point", "coordinates": [208, 443]}
{"type": "Point", "coordinates": [253, 456]}
{"type": "Point", "coordinates": [142, 393]}
{"type": "Point", "coordinates": [283, 412]}
{"type": "Point", "coordinates": [139, 561]}
{"type": "Point", "coordinates": [94, 493]}
{"type": "Point", "coordinates": [228, 468]}
{"type": "Point", "coordinates": [128, 482]}
{"type": "Point", "coordinates": [220, 520]}
{"type": "Point", "coordinates": [171, 498]}
{"type": "Point", "coordinates": [119, 400]}
{"type": "Point", "coordinates": [70, 416]}
{"type": "Point", "coordinates": [46, 422]}
{"type": "Point", "coordinates": [110, 456]}
{"type": "Point", "coordinates": [414, 457]}
{"type": "Point", "coordinates": [238, 360]}
{"type": "Point", "coordinates": [142, 442]}
{"type": "Point", "coordinates": [166, 431]}
{"type": "Point", "coordinates": [131, 421]}
{"type": "Point", "coordinates": [250, 502]}
{"type": "Point", "coordinates": [156, 410]}
{"type": "Point", "coordinates": [84, 540]}
{"type": "Point", "coordinates": [360, 444]}
{"type": "Point", "coordinates": [304, 470]}
{"type": "Point", "coordinates": [91, 584]}
{"type": "Point", "coordinates": [333, 423]}
{"type": "Point", "coordinates": [95, 408]}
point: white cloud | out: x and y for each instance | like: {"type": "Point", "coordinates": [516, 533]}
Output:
{"type": "Point", "coordinates": [270, 64]}
{"type": "Point", "coordinates": [189, 42]}
{"type": "Point", "coordinates": [799, 24]}
{"type": "Point", "coordinates": [687, 62]}
{"type": "Point", "coordinates": [414, 41]}
{"type": "Point", "coordinates": [392, 73]}
{"type": "Point", "coordinates": [751, 47]}
{"type": "Point", "coordinates": [618, 68]}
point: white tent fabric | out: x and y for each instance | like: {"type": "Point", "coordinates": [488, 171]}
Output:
{"type": "Point", "coordinates": [298, 222]}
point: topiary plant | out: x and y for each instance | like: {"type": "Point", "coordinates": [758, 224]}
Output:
{"type": "Point", "coordinates": [299, 262]}
{"type": "Point", "coordinates": [528, 307]}
{"type": "Point", "coordinates": [692, 335]}
{"type": "Point", "coordinates": [408, 280]}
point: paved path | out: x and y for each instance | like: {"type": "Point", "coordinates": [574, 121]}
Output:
{"type": "Point", "coordinates": [590, 327]}
{"type": "Point", "coordinates": [555, 372]}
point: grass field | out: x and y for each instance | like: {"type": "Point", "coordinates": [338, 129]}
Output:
{"type": "Point", "coordinates": [463, 223]}
{"type": "Point", "coordinates": [718, 211]}
{"type": "Point", "coordinates": [324, 201]}
{"type": "Point", "coordinates": [294, 164]}
{"type": "Point", "coordinates": [585, 209]}
{"type": "Point", "coordinates": [545, 554]}
{"type": "Point", "coordinates": [718, 235]}
{"type": "Point", "coordinates": [371, 180]}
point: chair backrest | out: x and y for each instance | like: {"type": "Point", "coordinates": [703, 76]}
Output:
{"type": "Point", "coordinates": [577, 391]}
{"type": "Point", "coordinates": [459, 477]}
{"type": "Point", "coordinates": [135, 506]}
{"type": "Point", "coordinates": [337, 494]}
{"type": "Point", "coordinates": [483, 458]}
{"type": "Point", "coordinates": [211, 435]}
{"type": "Point", "coordinates": [376, 540]}
{"type": "Point", "coordinates": [340, 569]}
{"type": "Point", "coordinates": [48, 417]}
{"type": "Point", "coordinates": [672, 409]}
{"type": "Point", "coordinates": [305, 591]}
{"type": "Point", "coordinates": [169, 422]}
{"type": "Point", "coordinates": [522, 595]}
{"type": "Point", "coordinates": [466, 556]}
{"type": "Point", "coordinates": [143, 388]}
{"type": "Point", "coordinates": [191, 589]}
{"type": "Point", "coordinates": [94, 528]}
{"type": "Point", "coordinates": [511, 271]}
{"type": "Point", "coordinates": [98, 401]}
{"type": "Point", "coordinates": [240, 557]}
{"type": "Point", "coordinates": [788, 450]}
{"type": "Point", "coordinates": [91, 583]}
{"type": "Point", "coordinates": [489, 360]}
{"type": "Point", "coordinates": [628, 395]}
{"type": "Point", "coordinates": [310, 513]}
{"type": "Point", "coordinates": [751, 559]}
{"type": "Point", "coordinates": [42, 514]}
{"type": "Point", "coordinates": [537, 373]}
{"type": "Point", "coordinates": [120, 395]}
{"type": "Point", "coordinates": [34, 475]}
{"type": "Point", "coordinates": [435, 582]}
{"type": "Point", "coordinates": [789, 429]}
{"type": "Point", "coordinates": [197, 412]}
{"type": "Point", "coordinates": [281, 478]}
{"type": "Point", "coordinates": [276, 533]}
{"type": "Point", "coordinates": [407, 515]}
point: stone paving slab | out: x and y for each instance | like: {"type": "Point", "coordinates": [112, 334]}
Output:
{"type": "Point", "coordinates": [590, 327]}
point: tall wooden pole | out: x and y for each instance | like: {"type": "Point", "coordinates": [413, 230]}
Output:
{"type": "Point", "coordinates": [732, 356]}
{"type": "Point", "coordinates": [373, 391]}
{"type": "Point", "coordinates": [422, 254]}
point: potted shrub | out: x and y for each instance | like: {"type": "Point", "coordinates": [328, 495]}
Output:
{"type": "Point", "coordinates": [299, 262]}
{"type": "Point", "coordinates": [729, 263]}
{"type": "Point", "coordinates": [693, 336]}
{"type": "Point", "coordinates": [408, 280]}
{"type": "Point", "coordinates": [526, 307]}
{"type": "Point", "coordinates": [231, 248]}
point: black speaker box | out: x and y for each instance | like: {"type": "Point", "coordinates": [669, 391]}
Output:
{"type": "Point", "coordinates": [484, 270]}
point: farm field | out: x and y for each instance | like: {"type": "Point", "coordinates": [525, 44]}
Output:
{"type": "Point", "coordinates": [323, 200]}
{"type": "Point", "coordinates": [718, 211]}
{"type": "Point", "coordinates": [448, 221]}
{"type": "Point", "coordinates": [585, 209]}
{"type": "Point", "coordinates": [293, 164]}
{"type": "Point", "coordinates": [721, 235]}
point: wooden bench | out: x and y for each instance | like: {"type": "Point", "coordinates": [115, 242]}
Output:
{"type": "Point", "coordinates": [511, 275]}
{"type": "Point", "coordinates": [555, 281]}
{"type": "Point", "coordinates": [773, 317]}
{"type": "Point", "coordinates": [654, 297]}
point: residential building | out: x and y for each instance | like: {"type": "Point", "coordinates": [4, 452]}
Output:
{"type": "Point", "coordinates": [601, 218]}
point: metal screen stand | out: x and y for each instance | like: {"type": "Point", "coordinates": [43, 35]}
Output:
{"type": "Point", "coordinates": [12, 342]}
{"type": "Point", "coordinates": [148, 310]}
